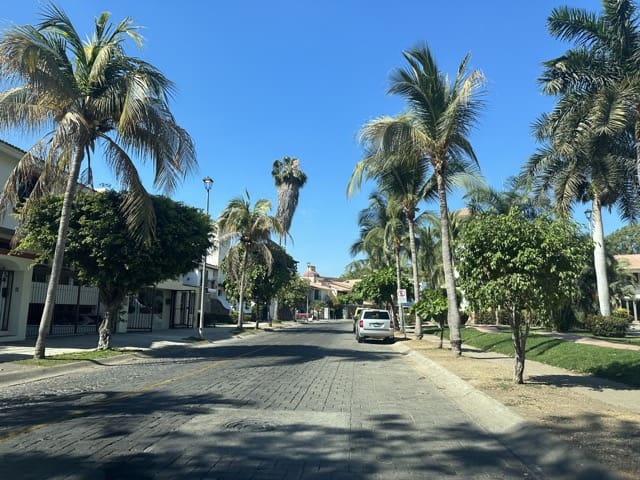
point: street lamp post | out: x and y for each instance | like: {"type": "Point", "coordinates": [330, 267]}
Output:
{"type": "Point", "coordinates": [208, 183]}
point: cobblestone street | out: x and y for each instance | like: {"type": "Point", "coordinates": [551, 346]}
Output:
{"type": "Point", "coordinates": [302, 403]}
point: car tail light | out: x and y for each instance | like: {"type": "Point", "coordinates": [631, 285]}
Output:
{"type": "Point", "coordinates": [361, 323]}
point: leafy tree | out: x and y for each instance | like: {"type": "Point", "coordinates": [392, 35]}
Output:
{"type": "Point", "coordinates": [525, 267]}
{"type": "Point", "coordinates": [265, 283]}
{"type": "Point", "coordinates": [625, 240]}
{"type": "Point", "coordinates": [378, 287]}
{"type": "Point", "coordinates": [102, 250]}
{"type": "Point", "coordinates": [86, 94]}
{"type": "Point", "coordinates": [440, 117]}
{"type": "Point", "coordinates": [433, 305]}
{"type": "Point", "coordinates": [294, 294]}
{"type": "Point", "coordinates": [252, 227]}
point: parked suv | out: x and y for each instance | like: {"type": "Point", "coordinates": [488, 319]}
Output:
{"type": "Point", "coordinates": [374, 323]}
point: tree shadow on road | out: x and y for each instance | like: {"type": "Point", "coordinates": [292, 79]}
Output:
{"type": "Point", "coordinates": [261, 444]}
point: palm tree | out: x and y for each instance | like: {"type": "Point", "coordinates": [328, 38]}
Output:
{"type": "Point", "coordinates": [595, 127]}
{"type": "Point", "coordinates": [86, 94]}
{"type": "Point", "coordinates": [289, 179]}
{"type": "Point", "coordinates": [519, 192]}
{"type": "Point", "coordinates": [440, 117]}
{"type": "Point", "coordinates": [585, 167]}
{"type": "Point", "coordinates": [253, 228]}
{"type": "Point", "coordinates": [382, 232]}
{"type": "Point", "coordinates": [401, 174]}
{"type": "Point", "coordinates": [603, 71]}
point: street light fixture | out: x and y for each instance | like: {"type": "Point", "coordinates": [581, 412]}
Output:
{"type": "Point", "coordinates": [589, 215]}
{"type": "Point", "coordinates": [208, 183]}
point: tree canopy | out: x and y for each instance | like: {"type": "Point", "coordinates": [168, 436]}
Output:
{"type": "Point", "coordinates": [103, 251]}
{"type": "Point", "coordinates": [625, 240]}
{"type": "Point", "coordinates": [522, 266]}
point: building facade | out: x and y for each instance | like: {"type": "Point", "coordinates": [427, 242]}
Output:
{"type": "Point", "coordinates": [23, 286]}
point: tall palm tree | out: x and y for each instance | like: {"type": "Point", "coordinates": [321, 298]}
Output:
{"type": "Point", "coordinates": [596, 121]}
{"type": "Point", "coordinates": [603, 70]}
{"type": "Point", "coordinates": [439, 120]}
{"type": "Point", "coordinates": [289, 179]}
{"type": "Point", "coordinates": [429, 254]}
{"type": "Point", "coordinates": [371, 240]}
{"type": "Point", "coordinates": [519, 192]}
{"type": "Point", "coordinates": [585, 167]}
{"type": "Point", "coordinates": [400, 173]}
{"type": "Point", "coordinates": [383, 232]}
{"type": "Point", "coordinates": [86, 94]}
{"type": "Point", "coordinates": [252, 227]}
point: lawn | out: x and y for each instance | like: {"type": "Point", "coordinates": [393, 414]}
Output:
{"type": "Point", "coordinates": [64, 358]}
{"type": "Point", "coordinates": [614, 364]}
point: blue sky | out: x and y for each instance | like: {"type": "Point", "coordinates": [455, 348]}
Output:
{"type": "Point", "coordinates": [258, 80]}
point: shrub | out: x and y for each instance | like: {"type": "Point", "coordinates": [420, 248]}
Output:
{"type": "Point", "coordinates": [613, 326]}
{"type": "Point", "coordinates": [621, 313]}
{"type": "Point", "coordinates": [488, 317]}
{"type": "Point", "coordinates": [563, 319]}
{"type": "Point", "coordinates": [211, 319]}
{"type": "Point", "coordinates": [485, 317]}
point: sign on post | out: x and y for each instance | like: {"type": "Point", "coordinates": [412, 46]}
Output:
{"type": "Point", "coordinates": [402, 296]}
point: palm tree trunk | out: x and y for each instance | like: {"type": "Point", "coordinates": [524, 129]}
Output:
{"type": "Point", "coordinates": [414, 271]}
{"type": "Point", "coordinates": [519, 334]}
{"type": "Point", "coordinates": [453, 315]}
{"type": "Point", "coordinates": [245, 257]}
{"type": "Point", "coordinates": [107, 326]}
{"type": "Point", "coordinates": [275, 311]}
{"type": "Point", "coordinates": [396, 252]}
{"type": "Point", "coordinates": [637, 138]}
{"type": "Point", "coordinates": [58, 256]}
{"type": "Point", "coordinates": [600, 259]}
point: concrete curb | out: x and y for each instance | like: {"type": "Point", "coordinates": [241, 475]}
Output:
{"type": "Point", "coordinates": [546, 455]}
{"type": "Point", "coordinates": [25, 374]}
{"type": "Point", "coordinates": [20, 374]}
{"type": "Point", "coordinates": [490, 414]}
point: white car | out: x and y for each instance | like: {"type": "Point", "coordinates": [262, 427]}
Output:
{"type": "Point", "coordinates": [374, 323]}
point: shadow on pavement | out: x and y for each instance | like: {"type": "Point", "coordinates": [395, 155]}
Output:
{"type": "Point", "coordinates": [215, 446]}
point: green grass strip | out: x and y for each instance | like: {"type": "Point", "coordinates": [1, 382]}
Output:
{"type": "Point", "coordinates": [614, 364]}
{"type": "Point", "coordinates": [71, 357]}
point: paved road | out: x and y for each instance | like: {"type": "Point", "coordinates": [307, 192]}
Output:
{"type": "Point", "coordinates": [303, 403]}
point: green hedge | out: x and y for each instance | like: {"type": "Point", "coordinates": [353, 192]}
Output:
{"type": "Point", "coordinates": [613, 326]}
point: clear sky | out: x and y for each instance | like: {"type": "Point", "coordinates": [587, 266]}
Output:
{"type": "Point", "coordinates": [258, 80]}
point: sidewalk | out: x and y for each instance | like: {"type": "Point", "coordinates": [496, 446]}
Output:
{"type": "Point", "coordinates": [611, 393]}
{"type": "Point", "coordinates": [569, 337]}
{"type": "Point", "coordinates": [12, 372]}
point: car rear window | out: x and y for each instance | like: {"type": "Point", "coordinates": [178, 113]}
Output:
{"type": "Point", "coordinates": [377, 315]}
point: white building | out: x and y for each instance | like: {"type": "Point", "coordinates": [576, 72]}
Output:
{"type": "Point", "coordinates": [23, 285]}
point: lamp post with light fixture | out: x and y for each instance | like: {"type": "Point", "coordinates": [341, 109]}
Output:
{"type": "Point", "coordinates": [208, 183]}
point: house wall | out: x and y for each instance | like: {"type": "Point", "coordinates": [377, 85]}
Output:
{"type": "Point", "coordinates": [25, 293]}
{"type": "Point", "coordinates": [18, 294]}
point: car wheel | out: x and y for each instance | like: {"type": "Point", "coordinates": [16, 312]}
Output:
{"type": "Point", "coordinates": [391, 340]}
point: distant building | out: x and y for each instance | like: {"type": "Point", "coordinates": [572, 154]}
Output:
{"type": "Point", "coordinates": [630, 263]}
{"type": "Point", "coordinates": [324, 289]}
